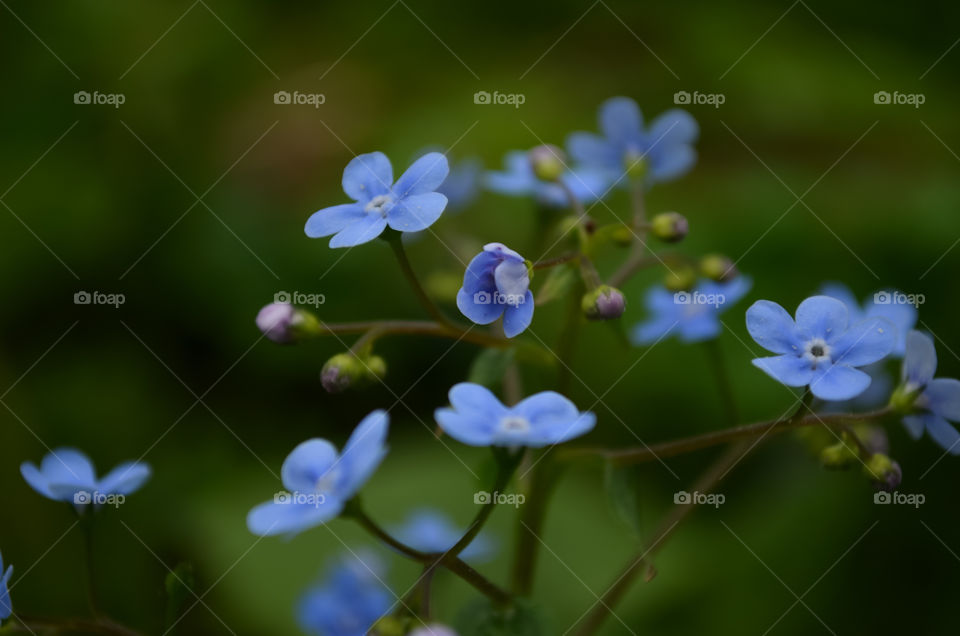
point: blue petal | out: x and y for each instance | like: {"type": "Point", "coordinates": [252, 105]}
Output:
{"type": "Point", "coordinates": [553, 419]}
{"type": "Point", "coordinates": [62, 472]}
{"type": "Point", "coordinates": [367, 176]}
{"type": "Point", "coordinates": [700, 326]}
{"type": "Point", "coordinates": [472, 306]}
{"type": "Point", "coordinates": [732, 291]}
{"type": "Point", "coordinates": [360, 231]}
{"type": "Point", "coordinates": [125, 479]}
{"type": "Point", "coordinates": [838, 382]}
{"type": "Point", "coordinates": [502, 252]}
{"type": "Point", "coordinates": [903, 316]}
{"type": "Point", "coordinates": [470, 429]}
{"type": "Point", "coordinates": [307, 464]}
{"type": "Point", "coordinates": [673, 127]}
{"type": "Point", "coordinates": [479, 273]}
{"type": "Point", "coordinates": [866, 342]}
{"type": "Point", "coordinates": [788, 369]}
{"type": "Point", "coordinates": [822, 317]}
{"type": "Point", "coordinates": [942, 396]}
{"type": "Point", "coordinates": [512, 280]}
{"type": "Point", "coordinates": [916, 424]}
{"type": "Point", "coordinates": [592, 150]}
{"type": "Point", "coordinates": [654, 329]}
{"type": "Point", "coordinates": [586, 185]}
{"type": "Point", "coordinates": [467, 397]}
{"type": "Point", "coordinates": [620, 118]}
{"type": "Point", "coordinates": [416, 212]}
{"type": "Point", "coordinates": [516, 318]}
{"type": "Point", "coordinates": [772, 327]}
{"type": "Point", "coordinates": [272, 518]}
{"type": "Point", "coordinates": [363, 452]}
{"type": "Point", "coordinates": [423, 176]}
{"type": "Point", "coordinates": [842, 293]}
{"type": "Point", "coordinates": [6, 606]}
{"type": "Point", "coordinates": [944, 434]}
{"type": "Point", "coordinates": [333, 219]}
{"type": "Point", "coordinates": [518, 179]}
{"type": "Point", "coordinates": [673, 162]}
{"type": "Point", "coordinates": [920, 362]}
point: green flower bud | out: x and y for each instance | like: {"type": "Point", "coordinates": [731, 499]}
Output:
{"type": "Point", "coordinates": [883, 472]}
{"type": "Point", "coordinates": [838, 456]}
{"type": "Point", "coordinates": [548, 162]}
{"type": "Point", "coordinates": [346, 370]}
{"type": "Point", "coordinates": [670, 227]}
{"type": "Point", "coordinates": [680, 279]}
{"type": "Point", "coordinates": [390, 626]}
{"type": "Point", "coordinates": [718, 267]}
{"type": "Point", "coordinates": [603, 303]}
{"type": "Point", "coordinates": [622, 235]}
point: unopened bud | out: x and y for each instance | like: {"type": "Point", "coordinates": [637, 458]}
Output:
{"type": "Point", "coordinates": [883, 472]}
{"type": "Point", "coordinates": [548, 162]}
{"type": "Point", "coordinates": [670, 227]}
{"type": "Point", "coordinates": [390, 626]}
{"type": "Point", "coordinates": [680, 279]}
{"type": "Point", "coordinates": [284, 323]}
{"type": "Point", "coordinates": [622, 235]}
{"type": "Point", "coordinates": [603, 303]}
{"type": "Point", "coordinates": [346, 371]}
{"type": "Point", "coordinates": [718, 267]}
{"type": "Point", "coordinates": [838, 456]}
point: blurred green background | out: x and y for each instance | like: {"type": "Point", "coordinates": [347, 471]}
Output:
{"type": "Point", "coordinates": [102, 198]}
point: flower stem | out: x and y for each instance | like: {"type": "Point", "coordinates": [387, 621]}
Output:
{"type": "Point", "coordinates": [719, 368]}
{"type": "Point", "coordinates": [559, 260]}
{"type": "Point", "coordinates": [86, 524]}
{"type": "Point", "coordinates": [67, 625]}
{"type": "Point", "coordinates": [395, 240]}
{"type": "Point", "coordinates": [636, 259]}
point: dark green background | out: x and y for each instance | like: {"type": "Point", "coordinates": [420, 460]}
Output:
{"type": "Point", "coordinates": [120, 379]}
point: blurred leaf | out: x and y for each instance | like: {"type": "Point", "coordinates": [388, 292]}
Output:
{"type": "Point", "coordinates": [560, 281]}
{"type": "Point", "coordinates": [488, 368]}
{"type": "Point", "coordinates": [623, 489]}
{"type": "Point", "coordinates": [481, 618]}
{"type": "Point", "coordinates": [179, 586]}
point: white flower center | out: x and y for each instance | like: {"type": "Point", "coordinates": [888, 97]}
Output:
{"type": "Point", "coordinates": [379, 204]}
{"type": "Point", "coordinates": [327, 482]}
{"type": "Point", "coordinates": [816, 350]}
{"type": "Point", "coordinates": [514, 425]}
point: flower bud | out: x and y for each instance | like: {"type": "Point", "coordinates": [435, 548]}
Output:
{"type": "Point", "coordinates": [838, 456]}
{"type": "Point", "coordinates": [883, 472]}
{"type": "Point", "coordinates": [548, 162]}
{"type": "Point", "coordinates": [346, 370]}
{"type": "Point", "coordinates": [603, 303]}
{"type": "Point", "coordinates": [718, 267]}
{"type": "Point", "coordinates": [622, 235]}
{"type": "Point", "coordinates": [390, 626]}
{"type": "Point", "coordinates": [669, 227]}
{"type": "Point", "coordinates": [284, 323]}
{"type": "Point", "coordinates": [680, 279]}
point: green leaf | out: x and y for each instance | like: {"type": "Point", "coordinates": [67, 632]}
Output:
{"type": "Point", "coordinates": [623, 490]}
{"type": "Point", "coordinates": [179, 586]}
{"type": "Point", "coordinates": [488, 368]}
{"type": "Point", "coordinates": [558, 284]}
{"type": "Point", "coordinates": [482, 618]}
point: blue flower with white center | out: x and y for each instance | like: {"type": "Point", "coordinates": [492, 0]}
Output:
{"type": "Point", "coordinates": [692, 316]}
{"type": "Point", "coordinates": [478, 418]}
{"type": "Point", "coordinates": [519, 179]}
{"type": "Point", "coordinates": [409, 205]}
{"type": "Point", "coordinates": [662, 152]}
{"type": "Point", "coordinates": [349, 601]}
{"type": "Point", "coordinates": [497, 283]}
{"type": "Point", "coordinates": [820, 349]}
{"type": "Point", "coordinates": [937, 400]}
{"type": "Point", "coordinates": [887, 304]}
{"type": "Point", "coordinates": [432, 532]}
{"type": "Point", "coordinates": [319, 481]}
{"type": "Point", "coordinates": [6, 606]}
{"type": "Point", "coordinates": [68, 475]}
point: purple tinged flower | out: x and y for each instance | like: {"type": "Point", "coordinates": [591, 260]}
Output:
{"type": "Point", "coordinates": [410, 204]}
{"type": "Point", "coordinates": [691, 316]}
{"type": "Point", "coordinates": [68, 475]}
{"type": "Point", "coordinates": [6, 606]}
{"type": "Point", "coordinates": [937, 399]}
{"type": "Point", "coordinates": [661, 152]}
{"type": "Point", "coordinates": [319, 481]}
{"type": "Point", "coordinates": [497, 283]}
{"type": "Point", "coordinates": [520, 179]}
{"type": "Point", "coordinates": [477, 418]}
{"type": "Point", "coordinates": [431, 531]}
{"type": "Point", "coordinates": [820, 348]}
{"type": "Point", "coordinates": [883, 304]}
{"type": "Point", "coordinates": [350, 600]}
{"type": "Point", "coordinates": [276, 320]}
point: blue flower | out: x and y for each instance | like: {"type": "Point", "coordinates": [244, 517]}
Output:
{"type": "Point", "coordinates": [664, 151]}
{"type": "Point", "coordinates": [6, 606]}
{"type": "Point", "coordinates": [692, 316]}
{"type": "Point", "coordinates": [519, 180]}
{"type": "Point", "coordinates": [883, 304]}
{"type": "Point", "coordinates": [432, 532]}
{"type": "Point", "coordinates": [497, 283]}
{"type": "Point", "coordinates": [821, 349]}
{"type": "Point", "coordinates": [462, 186]}
{"type": "Point", "coordinates": [478, 418]}
{"type": "Point", "coordinates": [938, 400]}
{"type": "Point", "coordinates": [349, 602]}
{"type": "Point", "coordinates": [319, 481]}
{"type": "Point", "coordinates": [66, 474]}
{"type": "Point", "coordinates": [409, 205]}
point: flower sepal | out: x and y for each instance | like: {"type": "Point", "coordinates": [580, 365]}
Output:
{"type": "Point", "coordinates": [883, 472]}
{"type": "Point", "coordinates": [904, 397]}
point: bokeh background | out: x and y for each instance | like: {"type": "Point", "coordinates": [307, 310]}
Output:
{"type": "Point", "coordinates": [106, 199]}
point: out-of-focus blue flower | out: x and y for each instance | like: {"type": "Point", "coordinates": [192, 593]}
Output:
{"type": "Point", "coordinates": [462, 185]}
{"type": "Point", "coordinates": [319, 481]}
{"type": "Point", "coordinates": [887, 304]}
{"type": "Point", "coordinates": [662, 152]}
{"type": "Point", "coordinates": [66, 474]}
{"type": "Point", "coordinates": [938, 400]}
{"type": "Point", "coordinates": [692, 316]}
{"type": "Point", "coordinates": [6, 606]}
{"type": "Point", "coordinates": [518, 179]}
{"type": "Point", "coordinates": [497, 283]}
{"type": "Point", "coordinates": [409, 205]}
{"type": "Point", "coordinates": [820, 349]}
{"type": "Point", "coordinates": [431, 531]}
{"type": "Point", "coordinates": [478, 418]}
{"type": "Point", "coordinates": [350, 600]}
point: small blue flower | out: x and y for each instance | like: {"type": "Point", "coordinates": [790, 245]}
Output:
{"type": "Point", "coordinates": [478, 418]}
{"type": "Point", "coordinates": [883, 304]}
{"type": "Point", "coordinates": [462, 185]}
{"type": "Point", "coordinates": [938, 399]}
{"type": "Point", "coordinates": [692, 316]}
{"type": "Point", "coordinates": [665, 148]}
{"type": "Point", "coordinates": [518, 179]}
{"type": "Point", "coordinates": [432, 532]}
{"type": "Point", "coordinates": [821, 349]}
{"type": "Point", "coordinates": [349, 602]}
{"type": "Point", "coordinates": [6, 606]}
{"type": "Point", "coordinates": [497, 283]}
{"type": "Point", "coordinates": [66, 474]}
{"type": "Point", "coordinates": [319, 481]}
{"type": "Point", "coordinates": [409, 205]}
